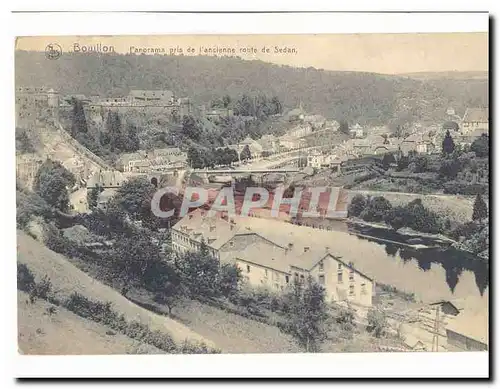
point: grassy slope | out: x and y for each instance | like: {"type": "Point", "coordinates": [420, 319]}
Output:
{"type": "Point", "coordinates": [63, 333]}
{"type": "Point", "coordinates": [66, 279]}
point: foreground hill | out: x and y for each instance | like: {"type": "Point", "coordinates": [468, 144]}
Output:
{"type": "Point", "coordinates": [66, 279]}
{"type": "Point", "coordinates": [356, 96]}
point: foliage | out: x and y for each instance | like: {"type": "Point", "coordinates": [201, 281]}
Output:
{"type": "Point", "coordinates": [357, 205]}
{"type": "Point", "coordinates": [78, 122]}
{"type": "Point", "coordinates": [387, 160]}
{"type": "Point", "coordinates": [105, 314]}
{"type": "Point", "coordinates": [245, 153]}
{"type": "Point", "coordinates": [200, 273]}
{"type": "Point", "coordinates": [25, 278]}
{"type": "Point", "coordinates": [344, 127]}
{"type": "Point", "coordinates": [481, 146]}
{"type": "Point", "coordinates": [307, 314]}
{"type": "Point", "coordinates": [51, 183]}
{"type": "Point", "coordinates": [93, 195]}
{"type": "Point", "coordinates": [480, 210]}
{"type": "Point", "coordinates": [28, 205]}
{"type": "Point", "coordinates": [448, 143]}
{"type": "Point", "coordinates": [23, 142]}
{"type": "Point", "coordinates": [345, 318]}
{"type": "Point", "coordinates": [377, 322]}
{"type": "Point", "coordinates": [229, 279]}
{"type": "Point", "coordinates": [376, 209]}
{"type": "Point", "coordinates": [356, 96]}
{"type": "Point", "coordinates": [132, 258]}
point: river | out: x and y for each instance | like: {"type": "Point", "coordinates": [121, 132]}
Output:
{"type": "Point", "coordinates": [430, 273]}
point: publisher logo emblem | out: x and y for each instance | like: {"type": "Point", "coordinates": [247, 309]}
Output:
{"type": "Point", "coordinates": [53, 51]}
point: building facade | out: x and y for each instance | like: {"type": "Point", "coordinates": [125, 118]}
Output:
{"type": "Point", "coordinates": [273, 257]}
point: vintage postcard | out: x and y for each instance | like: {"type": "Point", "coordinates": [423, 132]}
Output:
{"type": "Point", "coordinates": [183, 194]}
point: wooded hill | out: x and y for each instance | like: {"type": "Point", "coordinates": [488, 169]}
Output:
{"type": "Point", "coordinates": [355, 96]}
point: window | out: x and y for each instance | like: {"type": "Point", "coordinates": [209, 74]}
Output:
{"type": "Point", "coordinates": [339, 277]}
{"type": "Point", "coordinates": [296, 276]}
{"type": "Point", "coordinates": [363, 288]}
{"type": "Point", "coordinates": [287, 279]}
{"type": "Point", "coordinates": [248, 268]}
{"type": "Point", "coordinates": [351, 275]}
{"type": "Point", "coordinates": [265, 270]}
{"type": "Point", "coordinates": [302, 279]}
{"type": "Point", "coordinates": [321, 280]}
{"type": "Point", "coordinates": [321, 266]}
{"type": "Point", "coordinates": [351, 290]}
{"type": "Point", "coordinates": [339, 267]}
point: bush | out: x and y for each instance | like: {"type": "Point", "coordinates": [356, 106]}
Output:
{"type": "Point", "coordinates": [377, 323]}
{"type": "Point", "coordinates": [25, 278]}
{"type": "Point", "coordinates": [345, 318]}
{"type": "Point", "coordinates": [41, 290]}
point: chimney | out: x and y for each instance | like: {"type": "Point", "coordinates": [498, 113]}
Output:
{"type": "Point", "coordinates": [290, 246]}
{"type": "Point", "coordinates": [306, 249]}
{"type": "Point", "coordinates": [327, 249]}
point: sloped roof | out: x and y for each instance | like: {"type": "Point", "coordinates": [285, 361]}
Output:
{"type": "Point", "coordinates": [479, 115]}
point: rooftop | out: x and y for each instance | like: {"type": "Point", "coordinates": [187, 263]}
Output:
{"type": "Point", "coordinates": [479, 115]}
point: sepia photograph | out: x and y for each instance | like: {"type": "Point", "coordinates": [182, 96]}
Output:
{"type": "Point", "coordinates": [252, 194]}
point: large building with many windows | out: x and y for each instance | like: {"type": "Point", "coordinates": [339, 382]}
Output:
{"type": "Point", "coordinates": [273, 254]}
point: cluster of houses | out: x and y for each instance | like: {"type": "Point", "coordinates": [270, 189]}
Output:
{"type": "Point", "coordinates": [147, 161]}
{"type": "Point", "coordinates": [273, 254]}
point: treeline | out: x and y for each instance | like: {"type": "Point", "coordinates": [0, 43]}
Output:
{"type": "Point", "coordinates": [117, 136]}
{"type": "Point", "coordinates": [356, 96]}
{"type": "Point", "coordinates": [473, 235]}
{"type": "Point", "coordinates": [259, 106]}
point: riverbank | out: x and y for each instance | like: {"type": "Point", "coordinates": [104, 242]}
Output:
{"type": "Point", "coordinates": [404, 236]}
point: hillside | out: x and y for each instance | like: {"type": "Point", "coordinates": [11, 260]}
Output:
{"type": "Point", "coordinates": [64, 333]}
{"type": "Point", "coordinates": [362, 97]}
{"type": "Point", "coordinates": [66, 279]}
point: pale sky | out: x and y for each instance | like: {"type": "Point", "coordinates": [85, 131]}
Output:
{"type": "Point", "coordinates": [379, 53]}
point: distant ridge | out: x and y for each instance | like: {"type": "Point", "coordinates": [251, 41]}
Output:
{"type": "Point", "coordinates": [366, 98]}
{"type": "Point", "coordinates": [452, 75]}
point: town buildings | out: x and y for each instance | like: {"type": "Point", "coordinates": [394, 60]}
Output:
{"type": "Point", "coordinates": [33, 105]}
{"type": "Point", "coordinates": [145, 161]}
{"type": "Point", "coordinates": [273, 254]}
{"type": "Point", "coordinates": [475, 119]}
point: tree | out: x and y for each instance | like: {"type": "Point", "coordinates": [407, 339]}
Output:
{"type": "Point", "coordinates": [376, 209]}
{"type": "Point", "coordinates": [306, 314]}
{"type": "Point", "coordinates": [344, 127]}
{"type": "Point", "coordinates": [277, 107]}
{"type": "Point", "coordinates": [357, 205]}
{"type": "Point", "coordinates": [93, 195]}
{"type": "Point", "coordinates": [78, 120]}
{"type": "Point", "coordinates": [131, 259]}
{"type": "Point", "coordinates": [190, 128]}
{"type": "Point", "coordinates": [387, 160]}
{"type": "Point", "coordinates": [245, 153]}
{"type": "Point", "coordinates": [132, 142]}
{"type": "Point", "coordinates": [134, 197]}
{"type": "Point", "coordinates": [52, 181]}
{"type": "Point", "coordinates": [226, 100]}
{"type": "Point", "coordinates": [481, 146]}
{"type": "Point", "coordinates": [200, 273]}
{"type": "Point", "coordinates": [448, 143]}
{"type": "Point", "coordinates": [480, 210]}
{"type": "Point", "coordinates": [229, 279]}
{"type": "Point", "coordinates": [397, 217]}
{"type": "Point", "coordinates": [165, 282]}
